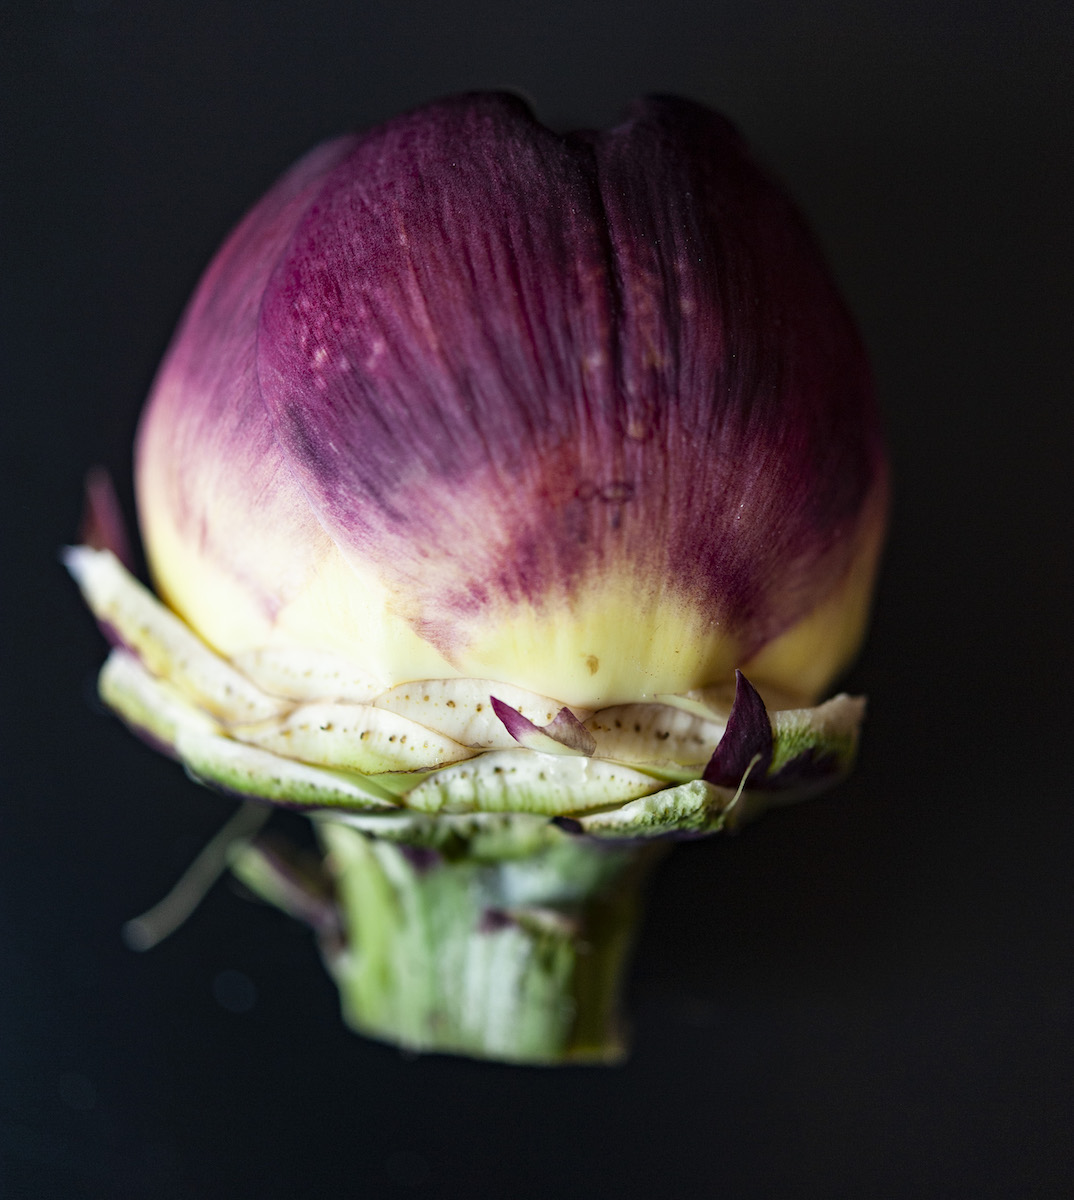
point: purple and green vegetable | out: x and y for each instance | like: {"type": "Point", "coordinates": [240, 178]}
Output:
{"type": "Point", "coordinates": [512, 501]}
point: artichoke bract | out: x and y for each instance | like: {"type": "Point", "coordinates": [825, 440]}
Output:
{"type": "Point", "coordinates": [512, 500]}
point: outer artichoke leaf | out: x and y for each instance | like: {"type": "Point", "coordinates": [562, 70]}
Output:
{"type": "Point", "coordinates": [164, 643]}
{"type": "Point", "coordinates": [461, 709]}
{"type": "Point", "coordinates": [656, 736]}
{"type": "Point", "coordinates": [155, 709]}
{"type": "Point", "coordinates": [307, 675]}
{"type": "Point", "coordinates": [797, 751]}
{"type": "Point", "coordinates": [564, 734]}
{"type": "Point", "coordinates": [812, 748]}
{"type": "Point", "coordinates": [690, 810]}
{"type": "Point", "coordinates": [815, 746]}
{"type": "Point", "coordinates": [248, 771]}
{"type": "Point", "coordinates": [524, 781]}
{"type": "Point", "coordinates": [352, 737]}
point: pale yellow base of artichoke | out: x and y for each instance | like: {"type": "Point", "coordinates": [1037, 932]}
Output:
{"type": "Point", "coordinates": [615, 640]}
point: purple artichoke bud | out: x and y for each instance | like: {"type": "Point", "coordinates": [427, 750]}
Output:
{"type": "Point", "coordinates": [485, 467]}
{"type": "Point", "coordinates": [464, 398]}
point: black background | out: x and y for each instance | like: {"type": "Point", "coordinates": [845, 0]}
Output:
{"type": "Point", "coordinates": [866, 996]}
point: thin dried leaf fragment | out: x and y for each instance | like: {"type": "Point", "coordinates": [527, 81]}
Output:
{"type": "Point", "coordinates": [564, 734]}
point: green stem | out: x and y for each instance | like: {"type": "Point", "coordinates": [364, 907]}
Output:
{"type": "Point", "coordinates": [518, 959]}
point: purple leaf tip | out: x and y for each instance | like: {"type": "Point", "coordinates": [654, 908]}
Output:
{"type": "Point", "coordinates": [745, 750]}
{"type": "Point", "coordinates": [103, 526]}
{"type": "Point", "coordinates": [564, 734]}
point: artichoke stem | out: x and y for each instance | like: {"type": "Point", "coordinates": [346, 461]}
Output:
{"type": "Point", "coordinates": [518, 959]}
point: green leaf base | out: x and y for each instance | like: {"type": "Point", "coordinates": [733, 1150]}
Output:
{"type": "Point", "coordinates": [518, 959]}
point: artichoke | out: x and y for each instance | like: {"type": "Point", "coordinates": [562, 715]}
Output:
{"type": "Point", "coordinates": [512, 500]}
